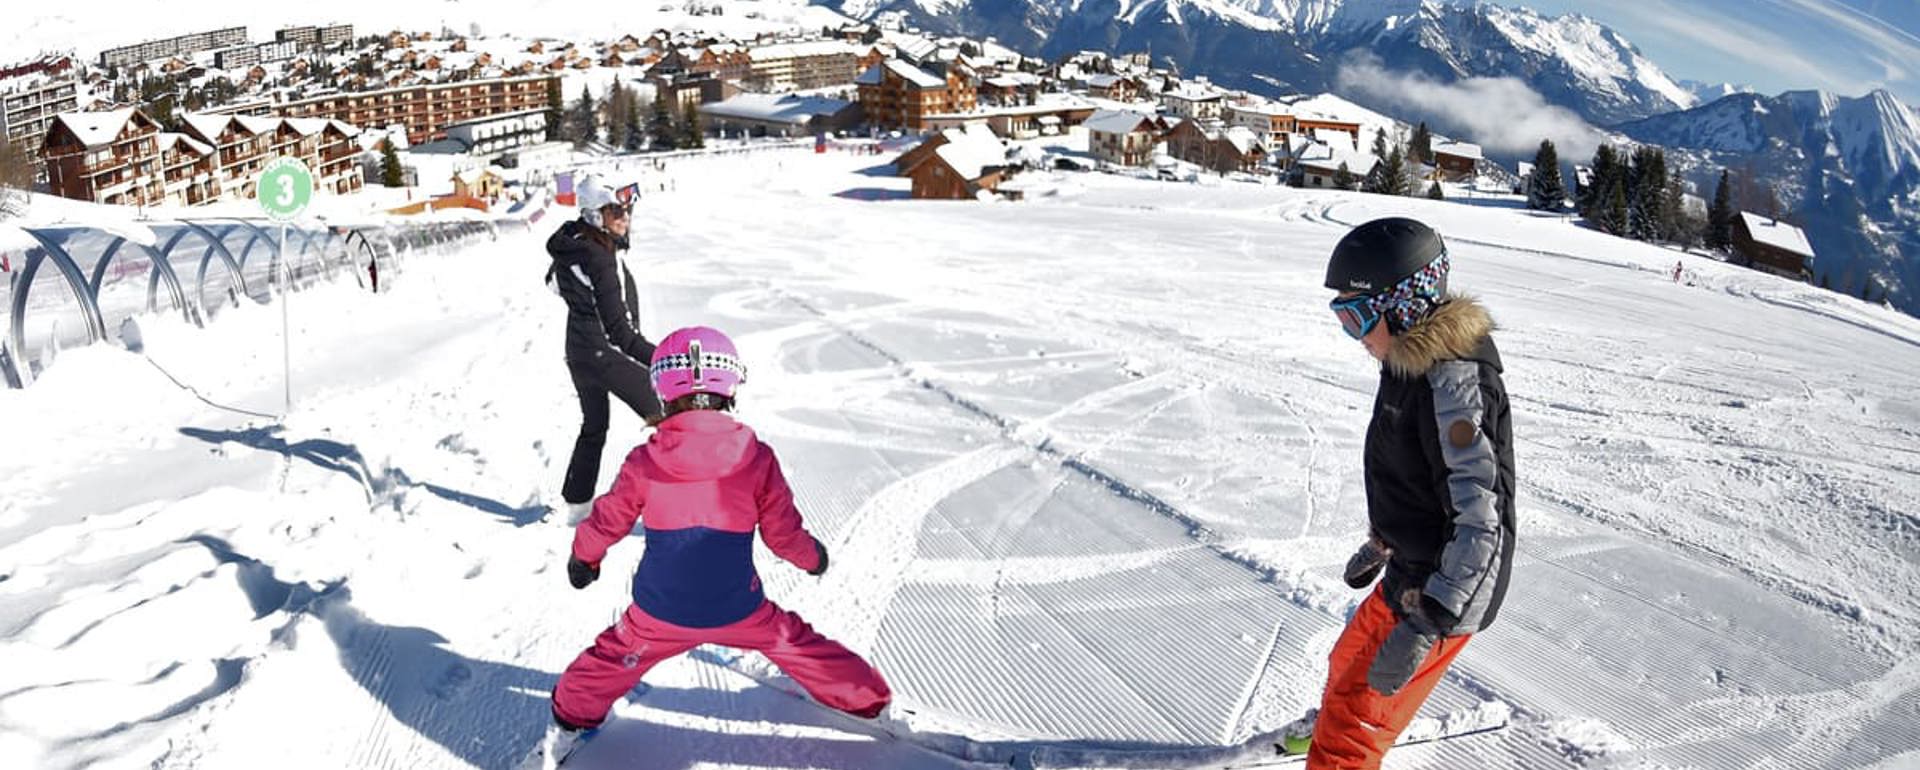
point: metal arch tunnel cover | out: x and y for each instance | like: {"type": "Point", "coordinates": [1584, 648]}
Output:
{"type": "Point", "coordinates": [76, 282]}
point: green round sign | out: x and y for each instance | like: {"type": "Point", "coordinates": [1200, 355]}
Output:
{"type": "Point", "coordinates": [284, 188]}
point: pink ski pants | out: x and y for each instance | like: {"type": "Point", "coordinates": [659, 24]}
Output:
{"type": "Point", "coordinates": [623, 653]}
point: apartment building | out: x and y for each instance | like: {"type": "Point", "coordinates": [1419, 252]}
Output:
{"type": "Point", "coordinates": [786, 67]}
{"type": "Point", "coordinates": [106, 157]}
{"type": "Point", "coordinates": [31, 95]}
{"type": "Point", "coordinates": [182, 45]}
{"type": "Point", "coordinates": [123, 158]}
{"type": "Point", "coordinates": [308, 37]}
{"type": "Point", "coordinates": [896, 94]}
{"type": "Point", "coordinates": [426, 110]}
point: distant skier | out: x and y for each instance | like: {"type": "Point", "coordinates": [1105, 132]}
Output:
{"type": "Point", "coordinates": [605, 351]}
{"type": "Point", "coordinates": [1440, 481]}
{"type": "Point", "coordinates": [1677, 268]}
{"type": "Point", "coordinates": [701, 485]}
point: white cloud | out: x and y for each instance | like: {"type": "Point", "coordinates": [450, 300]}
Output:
{"type": "Point", "coordinates": [1737, 39]}
{"type": "Point", "coordinates": [1504, 115]}
{"type": "Point", "coordinates": [1894, 44]}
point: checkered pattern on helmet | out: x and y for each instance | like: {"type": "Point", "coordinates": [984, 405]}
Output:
{"type": "Point", "coordinates": [1410, 300]}
{"type": "Point", "coordinates": [719, 361]}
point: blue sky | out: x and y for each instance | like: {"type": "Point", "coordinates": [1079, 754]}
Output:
{"type": "Point", "coordinates": [1845, 46]}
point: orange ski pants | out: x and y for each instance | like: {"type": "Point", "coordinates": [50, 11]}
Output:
{"type": "Point", "coordinates": [1357, 725]}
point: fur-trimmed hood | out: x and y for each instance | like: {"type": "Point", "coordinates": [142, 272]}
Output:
{"type": "Point", "coordinates": [1457, 330]}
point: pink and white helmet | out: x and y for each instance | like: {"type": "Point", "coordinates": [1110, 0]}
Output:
{"type": "Point", "coordinates": [696, 359]}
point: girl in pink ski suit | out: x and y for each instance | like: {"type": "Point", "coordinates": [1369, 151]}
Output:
{"type": "Point", "coordinates": [701, 485]}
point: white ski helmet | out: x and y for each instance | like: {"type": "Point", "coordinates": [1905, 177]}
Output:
{"type": "Point", "coordinates": [594, 194]}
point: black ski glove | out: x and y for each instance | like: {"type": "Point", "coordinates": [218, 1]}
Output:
{"type": "Point", "coordinates": [1366, 563]}
{"type": "Point", "coordinates": [822, 550]}
{"type": "Point", "coordinates": [580, 573]}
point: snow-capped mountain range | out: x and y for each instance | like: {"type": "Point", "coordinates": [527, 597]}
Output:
{"type": "Point", "coordinates": [1572, 60]}
{"type": "Point", "coordinates": [1850, 167]}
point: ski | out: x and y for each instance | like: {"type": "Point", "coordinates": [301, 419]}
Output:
{"type": "Point", "coordinates": [1282, 758]}
{"type": "Point", "coordinates": [1267, 750]}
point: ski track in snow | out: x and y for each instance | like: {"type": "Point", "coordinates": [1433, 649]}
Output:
{"type": "Point", "coordinates": [1087, 468]}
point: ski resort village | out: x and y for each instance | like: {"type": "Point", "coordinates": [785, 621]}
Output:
{"type": "Point", "coordinates": [931, 384]}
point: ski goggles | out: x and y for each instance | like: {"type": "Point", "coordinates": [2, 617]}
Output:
{"type": "Point", "coordinates": [623, 199]}
{"type": "Point", "coordinates": [1357, 314]}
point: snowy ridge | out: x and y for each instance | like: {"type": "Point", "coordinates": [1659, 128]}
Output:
{"type": "Point", "coordinates": [1300, 44]}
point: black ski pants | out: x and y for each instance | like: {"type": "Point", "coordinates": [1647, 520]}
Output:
{"type": "Point", "coordinates": [594, 376]}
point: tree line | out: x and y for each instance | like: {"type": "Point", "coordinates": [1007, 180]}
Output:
{"type": "Point", "coordinates": [623, 120]}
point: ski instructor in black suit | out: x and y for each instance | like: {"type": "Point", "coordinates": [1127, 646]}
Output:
{"type": "Point", "coordinates": [605, 351]}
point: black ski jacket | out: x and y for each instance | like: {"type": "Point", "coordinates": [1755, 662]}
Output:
{"type": "Point", "coordinates": [602, 303]}
{"type": "Point", "coordinates": [1439, 468]}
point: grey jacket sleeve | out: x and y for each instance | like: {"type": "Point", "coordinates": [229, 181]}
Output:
{"type": "Point", "coordinates": [1469, 562]}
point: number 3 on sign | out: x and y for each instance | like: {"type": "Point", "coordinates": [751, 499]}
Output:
{"type": "Point", "coordinates": [284, 186]}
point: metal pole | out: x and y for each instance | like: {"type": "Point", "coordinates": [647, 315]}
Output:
{"type": "Point", "coordinates": [286, 333]}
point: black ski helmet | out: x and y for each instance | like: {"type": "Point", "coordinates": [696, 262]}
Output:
{"type": "Point", "coordinates": [1378, 254]}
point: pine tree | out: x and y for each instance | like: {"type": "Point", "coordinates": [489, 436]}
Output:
{"type": "Point", "coordinates": [1615, 211]}
{"type": "Point", "coordinates": [1380, 143]}
{"type": "Point", "coordinates": [1398, 176]}
{"type": "Point", "coordinates": [1343, 177]}
{"type": "Point", "coordinates": [1594, 195]}
{"type": "Point", "coordinates": [1675, 217]}
{"type": "Point", "coordinates": [1434, 193]}
{"type": "Point", "coordinates": [1646, 194]}
{"type": "Point", "coordinates": [1420, 148]}
{"type": "Point", "coordinates": [556, 112]}
{"type": "Point", "coordinates": [391, 174]}
{"type": "Point", "coordinates": [1376, 179]}
{"type": "Point", "coordinates": [1545, 191]}
{"type": "Point", "coordinates": [695, 132]}
{"type": "Point", "coordinates": [635, 132]}
{"type": "Point", "coordinates": [583, 129]}
{"type": "Point", "coordinates": [1720, 216]}
{"type": "Point", "coordinates": [661, 128]}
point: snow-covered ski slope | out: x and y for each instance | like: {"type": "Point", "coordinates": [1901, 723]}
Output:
{"type": "Point", "coordinates": [1087, 464]}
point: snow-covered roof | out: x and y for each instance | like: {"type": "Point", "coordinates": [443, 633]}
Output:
{"type": "Point", "coordinates": [914, 75]}
{"type": "Point", "coordinates": [344, 127]}
{"type": "Point", "coordinates": [1104, 81]}
{"type": "Point", "coordinates": [1268, 109]}
{"type": "Point", "coordinates": [207, 126]}
{"type": "Point", "coordinates": [1191, 92]}
{"type": "Point", "coordinates": [1457, 149]}
{"type": "Point", "coordinates": [781, 108]}
{"type": "Point", "coordinates": [1014, 80]}
{"type": "Point", "coordinates": [971, 159]}
{"type": "Point", "coordinates": [1116, 121]}
{"type": "Point", "coordinates": [169, 140]}
{"type": "Point", "coordinates": [1777, 234]}
{"type": "Point", "coordinates": [258, 125]}
{"type": "Point", "coordinates": [95, 129]}
{"type": "Point", "coordinates": [913, 46]}
{"type": "Point", "coordinates": [1332, 148]}
{"type": "Point", "coordinates": [307, 126]}
{"type": "Point", "coordinates": [1523, 169]}
{"type": "Point", "coordinates": [1242, 138]}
